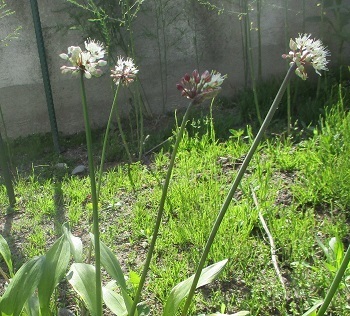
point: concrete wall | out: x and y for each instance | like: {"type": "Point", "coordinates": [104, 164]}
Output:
{"type": "Point", "coordinates": [191, 37]}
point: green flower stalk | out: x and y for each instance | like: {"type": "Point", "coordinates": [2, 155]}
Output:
{"type": "Point", "coordinates": [335, 283]}
{"type": "Point", "coordinates": [85, 64]}
{"type": "Point", "coordinates": [123, 73]}
{"type": "Point", "coordinates": [304, 50]}
{"type": "Point", "coordinates": [196, 88]}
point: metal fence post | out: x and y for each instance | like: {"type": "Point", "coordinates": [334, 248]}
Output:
{"type": "Point", "coordinates": [45, 73]}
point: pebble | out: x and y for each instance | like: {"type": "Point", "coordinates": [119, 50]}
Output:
{"type": "Point", "coordinates": [78, 169]}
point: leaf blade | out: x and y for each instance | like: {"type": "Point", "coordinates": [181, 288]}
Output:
{"type": "Point", "coordinates": [181, 290]}
{"type": "Point", "coordinates": [6, 254]}
{"type": "Point", "coordinates": [22, 286]}
{"type": "Point", "coordinates": [54, 269]}
{"type": "Point", "coordinates": [82, 278]}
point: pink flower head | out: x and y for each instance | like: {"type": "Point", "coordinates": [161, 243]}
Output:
{"type": "Point", "coordinates": [199, 88]}
{"type": "Point", "coordinates": [304, 51]}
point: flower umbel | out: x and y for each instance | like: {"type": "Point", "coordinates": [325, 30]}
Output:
{"type": "Point", "coordinates": [305, 50]}
{"type": "Point", "coordinates": [124, 71]}
{"type": "Point", "coordinates": [87, 61]}
{"type": "Point", "coordinates": [199, 88]}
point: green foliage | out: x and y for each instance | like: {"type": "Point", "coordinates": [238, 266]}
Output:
{"type": "Point", "coordinates": [181, 290]}
{"type": "Point", "coordinates": [4, 12]}
{"type": "Point", "coordinates": [22, 286]}
{"type": "Point", "coordinates": [5, 252]}
{"type": "Point", "coordinates": [82, 277]}
{"type": "Point", "coordinates": [53, 269]}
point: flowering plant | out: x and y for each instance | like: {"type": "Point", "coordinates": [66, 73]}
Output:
{"type": "Point", "coordinates": [199, 88]}
{"type": "Point", "coordinates": [87, 61]}
{"type": "Point", "coordinates": [305, 50]}
{"type": "Point", "coordinates": [124, 71]}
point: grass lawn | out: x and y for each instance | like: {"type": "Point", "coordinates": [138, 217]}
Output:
{"type": "Point", "coordinates": [301, 184]}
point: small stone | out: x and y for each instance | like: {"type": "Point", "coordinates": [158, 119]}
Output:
{"type": "Point", "coordinates": [61, 165]}
{"type": "Point", "coordinates": [78, 169]}
{"type": "Point", "coordinates": [65, 312]}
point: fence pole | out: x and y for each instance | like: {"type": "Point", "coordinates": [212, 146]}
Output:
{"type": "Point", "coordinates": [45, 73]}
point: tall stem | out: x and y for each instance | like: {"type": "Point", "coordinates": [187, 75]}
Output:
{"type": "Point", "coordinates": [160, 210]}
{"type": "Point", "coordinates": [234, 186]}
{"type": "Point", "coordinates": [258, 17]}
{"type": "Point", "coordinates": [335, 283]}
{"type": "Point", "coordinates": [103, 154]}
{"type": "Point", "coordinates": [122, 135]}
{"type": "Point", "coordinates": [94, 199]}
{"type": "Point", "coordinates": [286, 34]}
{"type": "Point", "coordinates": [251, 67]}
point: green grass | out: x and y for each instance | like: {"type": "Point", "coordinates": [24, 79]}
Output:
{"type": "Point", "coordinates": [301, 182]}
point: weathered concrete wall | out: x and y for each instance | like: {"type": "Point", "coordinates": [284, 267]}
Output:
{"type": "Point", "coordinates": [192, 37]}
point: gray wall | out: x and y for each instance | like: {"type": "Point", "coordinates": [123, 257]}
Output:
{"type": "Point", "coordinates": [193, 36]}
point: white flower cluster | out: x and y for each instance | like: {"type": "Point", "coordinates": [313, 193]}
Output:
{"type": "Point", "coordinates": [305, 50]}
{"type": "Point", "coordinates": [85, 61]}
{"type": "Point", "coordinates": [124, 71]}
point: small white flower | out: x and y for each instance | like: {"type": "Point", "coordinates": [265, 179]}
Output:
{"type": "Point", "coordinates": [124, 71]}
{"type": "Point", "coordinates": [85, 61]}
{"type": "Point", "coordinates": [305, 50]}
{"type": "Point", "coordinates": [95, 48]}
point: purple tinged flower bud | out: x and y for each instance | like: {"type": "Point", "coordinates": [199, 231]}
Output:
{"type": "Point", "coordinates": [179, 87]}
{"type": "Point", "coordinates": [187, 77]}
{"type": "Point", "coordinates": [196, 77]}
{"type": "Point", "coordinates": [200, 87]}
{"type": "Point", "coordinates": [206, 76]}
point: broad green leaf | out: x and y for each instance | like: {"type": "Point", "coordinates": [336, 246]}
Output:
{"type": "Point", "coordinates": [54, 269]}
{"type": "Point", "coordinates": [181, 290]}
{"type": "Point", "coordinates": [313, 310]}
{"type": "Point", "coordinates": [114, 302]}
{"type": "Point", "coordinates": [324, 248]}
{"type": "Point", "coordinates": [337, 249]}
{"type": "Point", "coordinates": [241, 313]}
{"type": "Point", "coordinates": [76, 245]}
{"type": "Point", "coordinates": [6, 254]}
{"type": "Point", "coordinates": [22, 286]}
{"type": "Point", "coordinates": [82, 278]}
{"type": "Point", "coordinates": [143, 309]}
{"type": "Point", "coordinates": [32, 306]}
{"type": "Point", "coordinates": [110, 262]}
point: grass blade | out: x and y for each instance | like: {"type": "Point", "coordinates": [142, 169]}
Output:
{"type": "Point", "coordinates": [181, 290]}
{"type": "Point", "coordinates": [22, 286]}
{"type": "Point", "coordinates": [313, 310]}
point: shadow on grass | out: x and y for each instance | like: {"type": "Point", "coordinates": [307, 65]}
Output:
{"type": "Point", "coordinates": [60, 214]}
